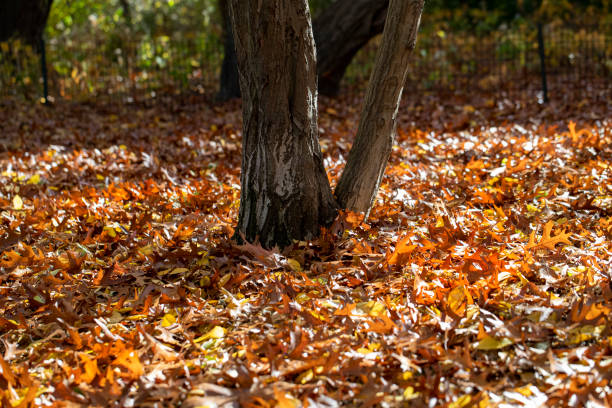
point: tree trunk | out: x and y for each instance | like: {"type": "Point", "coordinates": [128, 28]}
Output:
{"type": "Point", "coordinates": [127, 12]}
{"type": "Point", "coordinates": [24, 18]}
{"type": "Point", "coordinates": [285, 192]}
{"type": "Point", "coordinates": [368, 157]}
{"type": "Point", "coordinates": [340, 31]}
{"type": "Point", "coordinates": [229, 84]}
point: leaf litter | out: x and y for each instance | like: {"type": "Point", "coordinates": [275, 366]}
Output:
{"type": "Point", "coordinates": [482, 277]}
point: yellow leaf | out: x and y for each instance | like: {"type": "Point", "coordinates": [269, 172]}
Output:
{"type": "Point", "coordinates": [584, 333]}
{"type": "Point", "coordinates": [460, 402]}
{"type": "Point", "coordinates": [35, 179]}
{"type": "Point", "coordinates": [306, 376]}
{"type": "Point", "coordinates": [491, 343]}
{"type": "Point", "coordinates": [371, 308]}
{"type": "Point", "coordinates": [294, 265]}
{"type": "Point", "coordinates": [146, 250]}
{"type": "Point", "coordinates": [409, 393]}
{"type": "Point", "coordinates": [205, 281]}
{"type": "Point", "coordinates": [224, 279]}
{"type": "Point", "coordinates": [110, 231]}
{"type": "Point", "coordinates": [136, 317]}
{"type": "Point", "coordinates": [374, 346]}
{"type": "Point", "coordinates": [17, 203]}
{"type": "Point", "coordinates": [526, 390]}
{"type": "Point", "coordinates": [217, 332]}
{"type": "Point", "coordinates": [317, 315]}
{"type": "Point", "coordinates": [469, 109]}
{"type": "Point", "coordinates": [168, 320]}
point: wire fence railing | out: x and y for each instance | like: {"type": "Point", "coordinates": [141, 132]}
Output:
{"type": "Point", "coordinates": [539, 60]}
{"type": "Point", "coordinates": [121, 68]}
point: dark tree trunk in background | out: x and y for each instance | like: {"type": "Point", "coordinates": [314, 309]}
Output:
{"type": "Point", "coordinates": [229, 83]}
{"type": "Point", "coordinates": [24, 18]}
{"type": "Point", "coordinates": [368, 158]}
{"type": "Point", "coordinates": [127, 12]}
{"type": "Point", "coordinates": [340, 31]}
{"type": "Point", "coordinates": [285, 193]}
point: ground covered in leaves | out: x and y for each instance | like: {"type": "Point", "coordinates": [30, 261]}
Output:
{"type": "Point", "coordinates": [482, 278]}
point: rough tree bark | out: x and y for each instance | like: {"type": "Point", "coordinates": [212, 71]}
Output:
{"type": "Point", "coordinates": [229, 84]}
{"type": "Point", "coordinates": [368, 157]}
{"type": "Point", "coordinates": [285, 192]}
{"type": "Point", "coordinates": [340, 31]}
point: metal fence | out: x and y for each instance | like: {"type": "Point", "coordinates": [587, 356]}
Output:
{"type": "Point", "coordinates": [115, 69]}
{"type": "Point", "coordinates": [539, 62]}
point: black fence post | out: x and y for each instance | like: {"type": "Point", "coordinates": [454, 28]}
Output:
{"type": "Point", "coordinates": [542, 62]}
{"type": "Point", "coordinates": [43, 70]}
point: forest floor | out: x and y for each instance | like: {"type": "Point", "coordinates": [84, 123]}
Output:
{"type": "Point", "coordinates": [482, 277]}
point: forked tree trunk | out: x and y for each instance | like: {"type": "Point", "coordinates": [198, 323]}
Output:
{"type": "Point", "coordinates": [285, 192]}
{"type": "Point", "coordinates": [340, 31]}
{"type": "Point", "coordinates": [368, 157]}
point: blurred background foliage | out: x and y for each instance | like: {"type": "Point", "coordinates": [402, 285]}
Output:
{"type": "Point", "coordinates": [143, 47]}
{"type": "Point", "coordinates": [176, 17]}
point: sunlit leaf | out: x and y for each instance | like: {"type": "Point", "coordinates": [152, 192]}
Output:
{"type": "Point", "coordinates": [168, 320]}
{"type": "Point", "coordinates": [493, 343]}
{"type": "Point", "coordinates": [17, 203]}
{"type": "Point", "coordinates": [548, 241]}
{"type": "Point", "coordinates": [294, 265]}
{"type": "Point", "coordinates": [216, 332]}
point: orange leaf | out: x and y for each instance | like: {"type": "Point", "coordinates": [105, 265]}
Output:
{"type": "Point", "coordinates": [90, 365]}
{"type": "Point", "coordinates": [6, 372]}
{"type": "Point", "coordinates": [12, 259]}
{"type": "Point", "coordinates": [457, 300]}
{"type": "Point", "coordinates": [346, 310]}
{"type": "Point", "coordinates": [402, 249]}
{"type": "Point", "coordinates": [129, 360]}
{"type": "Point", "coordinates": [548, 241]}
{"type": "Point", "coordinates": [281, 399]}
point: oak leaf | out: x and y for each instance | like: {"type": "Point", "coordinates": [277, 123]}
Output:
{"type": "Point", "coordinates": [90, 369]}
{"type": "Point", "coordinates": [548, 240]}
